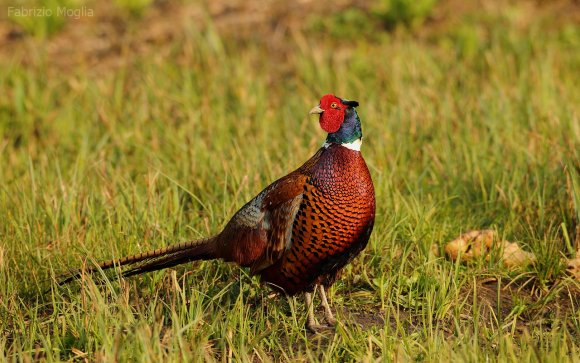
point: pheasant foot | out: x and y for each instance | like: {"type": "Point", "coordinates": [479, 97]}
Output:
{"type": "Point", "coordinates": [328, 315]}
{"type": "Point", "coordinates": [311, 323]}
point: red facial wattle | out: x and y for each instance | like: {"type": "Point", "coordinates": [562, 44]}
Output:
{"type": "Point", "coordinates": [333, 116]}
{"type": "Point", "coordinates": [330, 121]}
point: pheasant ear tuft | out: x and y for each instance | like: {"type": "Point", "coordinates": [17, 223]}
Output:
{"type": "Point", "coordinates": [350, 103]}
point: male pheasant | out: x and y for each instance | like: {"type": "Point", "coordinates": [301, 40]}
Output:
{"type": "Point", "coordinates": [300, 231]}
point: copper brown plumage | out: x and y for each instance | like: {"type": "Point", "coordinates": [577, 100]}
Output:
{"type": "Point", "coordinates": [301, 230]}
{"type": "Point", "coordinates": [332, 224]}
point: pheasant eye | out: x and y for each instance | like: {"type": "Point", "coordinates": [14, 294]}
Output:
{"type": "Point", "coordinates": [334, 105]}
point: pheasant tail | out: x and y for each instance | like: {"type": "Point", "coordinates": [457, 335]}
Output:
{"type": "Point", "coordinates": [203, 249]}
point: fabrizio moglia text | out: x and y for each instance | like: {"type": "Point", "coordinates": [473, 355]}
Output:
{"type": "Point", "coordinates": [40, 12]}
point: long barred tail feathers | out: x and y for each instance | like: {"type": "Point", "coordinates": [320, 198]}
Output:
{"type": "Point", "coordinates": [203, 249]}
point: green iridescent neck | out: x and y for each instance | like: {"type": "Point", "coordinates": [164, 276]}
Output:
{"type": "Point", "coordinates": [349, 131]}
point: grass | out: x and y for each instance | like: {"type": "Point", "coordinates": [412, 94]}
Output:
{"type": "Point", "coordinates": [468, 127]}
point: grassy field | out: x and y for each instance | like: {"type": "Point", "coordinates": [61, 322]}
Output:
{"type": "Point", "coordinates": [470, 123]}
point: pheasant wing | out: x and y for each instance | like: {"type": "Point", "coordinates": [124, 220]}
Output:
{"type": "Point", "coordinates": [280, 206]}
{"type": "Point", "coordinates": [261, 230]}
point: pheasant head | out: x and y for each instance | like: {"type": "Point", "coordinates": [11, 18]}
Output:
{"type": "Point", "coordinates": [339, 118]}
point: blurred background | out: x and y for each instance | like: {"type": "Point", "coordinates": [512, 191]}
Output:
{"type": "Point", "coordinates": [111, 34]}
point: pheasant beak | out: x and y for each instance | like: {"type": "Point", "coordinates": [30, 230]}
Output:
{"type": "Point", "coordinates": [316, 110]}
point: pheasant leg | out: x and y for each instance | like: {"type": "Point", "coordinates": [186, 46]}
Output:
{"type": "Point", "coordinates": [311, 323]}
{"type": "Point", "coordinates": [328, 316]}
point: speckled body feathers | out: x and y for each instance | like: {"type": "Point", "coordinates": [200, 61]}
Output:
{"type": "Point", "coordinates": [333, 222]}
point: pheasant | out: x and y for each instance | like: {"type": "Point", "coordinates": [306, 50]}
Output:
{"type": "Point", "coordinates": [299, 232]}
